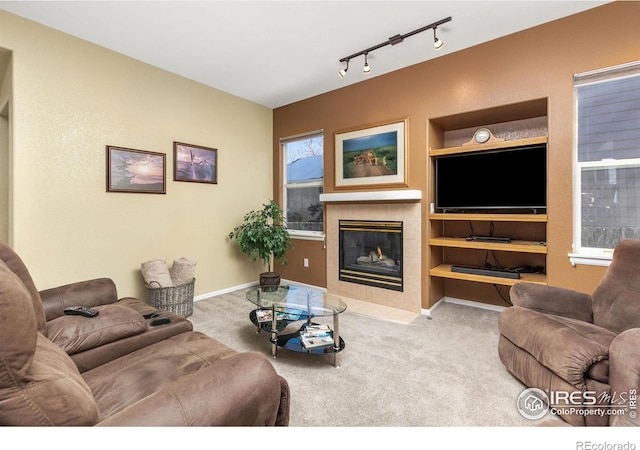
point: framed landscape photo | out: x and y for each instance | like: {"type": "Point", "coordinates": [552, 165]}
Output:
{"type": "Point", "coordinates": [372, 156]}
{"type": "Point", "coordinates": [195, 163]}
{"type": "Point", "coordinates": [140, 171]}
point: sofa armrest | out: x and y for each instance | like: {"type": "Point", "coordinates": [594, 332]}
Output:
{"type": "Point", "coordinates": [553, 300]}
{"type": "Point", "coordinates": [241, 390]}
{"type": "Point", "coordinates": [624, 375]}
{"type": "Point", "coordinates": [568, 351]}
{"type": "Point", "coordinates": [90, 293]}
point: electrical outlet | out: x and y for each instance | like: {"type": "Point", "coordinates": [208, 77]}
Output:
{"type": "Point", "coordinates": [305, 262]}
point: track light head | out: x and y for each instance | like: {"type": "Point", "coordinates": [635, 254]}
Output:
{"type": "Point", "coordinates": [437, 42]}
{"type": "Point", "coordinates": [343, 72]}
{"type": "Point", "coordinates": [366, 68]}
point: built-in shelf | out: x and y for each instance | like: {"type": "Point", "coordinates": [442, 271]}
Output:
{"type": "Point", "coordinates": [444, 271]}
{"type": "Point", "coordinates": [399, 195]}
{"type": "Point", "coordinates": [541, 218]}
{"type": "Point", "coordinates": [512, 246]}
{"type": "Point", "coordinates": [488, 146]}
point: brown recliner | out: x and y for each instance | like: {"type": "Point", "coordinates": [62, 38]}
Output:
{"type": "Point", "coordinates": [583, 346]}
{"type": "Point", "coordinates": [182, 379]}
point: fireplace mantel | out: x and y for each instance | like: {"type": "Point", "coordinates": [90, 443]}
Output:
{"type": "Point", "coordinates": [399, 195]}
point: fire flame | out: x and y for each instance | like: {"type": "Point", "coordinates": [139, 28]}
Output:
{"type": "Point", "coordinates": [379, 253]}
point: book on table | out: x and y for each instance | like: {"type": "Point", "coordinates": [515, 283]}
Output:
{"type": "Point", "coordinates": [314, 336]}
{"type": "Point", "coordinates": [266, 315]}
{"type": "Point", "coordinates": [315, 342]}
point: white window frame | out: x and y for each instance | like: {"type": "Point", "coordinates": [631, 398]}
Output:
{"type": "Point", "coordinates": [300, 234]}
{"type": "Point", "coordinates": [589, 255]}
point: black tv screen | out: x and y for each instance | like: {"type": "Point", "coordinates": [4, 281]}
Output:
{"type": "Point", "coordinates": [504, 179]}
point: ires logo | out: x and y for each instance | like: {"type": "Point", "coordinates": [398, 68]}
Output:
{"type": "Point", "coordinates": [534, 403]}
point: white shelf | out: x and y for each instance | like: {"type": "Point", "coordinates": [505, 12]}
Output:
{"type": "Point", "coordinates": [372, 196]}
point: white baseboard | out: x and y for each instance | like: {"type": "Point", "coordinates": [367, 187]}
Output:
{"type": "Point", "coordinates": [249, 285]}
{"type": "Point", "coordinates": [224, 291]}
{"type": "Point", "coordinates": [458, 301]}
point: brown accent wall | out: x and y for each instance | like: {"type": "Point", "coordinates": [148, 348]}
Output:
{"type": "Point", "coordinates": [316, 272]}
{"type": "Point", "coordinates": [533, 64]}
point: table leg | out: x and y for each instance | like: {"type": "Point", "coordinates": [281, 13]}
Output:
{"type": "Point", "coordinates": [274, 332]}
{"type": "Point", "coordinates": [336, 340]}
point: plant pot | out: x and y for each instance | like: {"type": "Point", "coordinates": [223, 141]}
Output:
{"type": "Point", "coordinates": [269, 279]}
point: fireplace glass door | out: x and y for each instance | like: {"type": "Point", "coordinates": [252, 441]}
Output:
{"type": "Point", "coordinates": [371, 253]}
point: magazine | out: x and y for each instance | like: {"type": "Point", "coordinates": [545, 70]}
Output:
{"type": "Point", "coordinates": [315, 342]}
{"type": "Point", "coordinates": [266, 315]}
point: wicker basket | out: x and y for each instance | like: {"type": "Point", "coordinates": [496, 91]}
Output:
{"type": "Point", "coordinates": [177, 299]}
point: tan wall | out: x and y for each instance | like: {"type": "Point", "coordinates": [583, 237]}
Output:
{"type": "Point", "coordinates": [71, 99]}
{"type": "Point", "coordinates": [5, 89]}
{"type": "Point", "coordinates": [535, 63]}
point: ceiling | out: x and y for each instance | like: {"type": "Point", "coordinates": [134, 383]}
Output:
{"type": "Point", "coordinates": [278, 52]}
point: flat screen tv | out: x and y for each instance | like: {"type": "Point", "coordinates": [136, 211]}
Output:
{"type": "Point", "coordinates": [504, 180]}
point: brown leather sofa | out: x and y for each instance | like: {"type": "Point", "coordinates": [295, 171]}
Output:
{"type": "Point", "coordinates": [115, 369]}
{"type": "Point", "coordinates": [580, 345]}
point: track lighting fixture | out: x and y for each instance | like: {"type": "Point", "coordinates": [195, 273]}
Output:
{"type": "Point", "coordinates": [437, 42]}
{"type": "Point", "coordinates": [393, 40]}
{"type": "Point", "coordinates": [343, 72]}
{"type": "Point", "coordinates": [366, 68]}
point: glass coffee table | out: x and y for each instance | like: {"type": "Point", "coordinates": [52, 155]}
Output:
{"type": "Point", "coordinates": [287, 312]}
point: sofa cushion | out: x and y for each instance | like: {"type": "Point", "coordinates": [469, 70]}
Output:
{"type": "Point", "coordinates": [122, 382]}
{"type": "Point", "coordinates": [18, 330]}
{"type": "Point", "coordinates": [75, 334]}
{"type": "Point", "coordinates": [15, 265]}
{"type": "Point", "coordinates": [39, 384]}
{"type": "Point", "coordinates": [617, 298]}
{"type": "Point", "coordinates": [51, 392]}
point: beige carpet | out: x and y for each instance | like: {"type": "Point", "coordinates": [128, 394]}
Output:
{"type": "Point", "coordinates": [439, 373]}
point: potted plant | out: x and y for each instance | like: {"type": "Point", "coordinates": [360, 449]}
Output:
{"type": "Point", "coordinates": [263, 235]}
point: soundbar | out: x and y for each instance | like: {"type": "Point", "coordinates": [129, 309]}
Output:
{"type": "Point", "coordinates": [488, 239]}
{"type": "Point", "coordinates": [488, 272]}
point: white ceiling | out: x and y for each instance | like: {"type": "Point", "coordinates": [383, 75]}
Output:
{"type": "Point", "coordinates": [278, 52]}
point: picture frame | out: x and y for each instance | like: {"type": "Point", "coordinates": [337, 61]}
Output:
{"type": "Point", "coordinates": [136, 171]}
{"type": "Point", "coordinates": [194, 163]}
{"type": "Point", "coordinates": [372, 156]}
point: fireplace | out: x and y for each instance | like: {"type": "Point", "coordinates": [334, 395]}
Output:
{"type": "Point", "coordinates": [370, 253]}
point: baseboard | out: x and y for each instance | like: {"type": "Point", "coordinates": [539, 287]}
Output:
{"type": "Point", "coordinates": [429, 312]}
{"type": "Point", "coordinates": [459, 301]}
{"type": "Point", "coordinates": [250, 285]}
{"type": "Point", "coordinates": [224, 291]}
{"type": "Point", "coordinates": [298, 284]}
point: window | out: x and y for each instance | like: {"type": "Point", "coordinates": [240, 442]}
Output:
{"type": "Point", "coordinates": [607, 162]}
{"type": "Point", "coordinates": [303, 176]}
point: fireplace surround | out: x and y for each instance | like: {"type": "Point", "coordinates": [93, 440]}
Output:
{"type": "Point", "coordinates": [386, 207]}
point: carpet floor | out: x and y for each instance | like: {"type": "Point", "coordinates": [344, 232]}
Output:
{"type": "Point", "coordinates": [439, 372]}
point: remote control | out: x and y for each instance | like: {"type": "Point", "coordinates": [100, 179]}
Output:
{"type": "Point", "coordinates": [152, 315]}
{"type": "Point", "coordinates": [160, 321]}
{"type": "Point", "coordinates": [80, 311]}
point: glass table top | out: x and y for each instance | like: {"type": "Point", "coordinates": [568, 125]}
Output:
{"type": "Point", "coordinates": [293, 298]}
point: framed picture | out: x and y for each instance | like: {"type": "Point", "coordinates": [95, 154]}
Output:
{"type": "Point", "coordinates": [130, 170]}
{"type": "Point", "coordinates": [194, 163]}
{"type": "Point", "coordinates": [371, 156]}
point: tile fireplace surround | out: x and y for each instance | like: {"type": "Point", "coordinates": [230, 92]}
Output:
{"type": "Point", "coordinates": [401, 209]}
